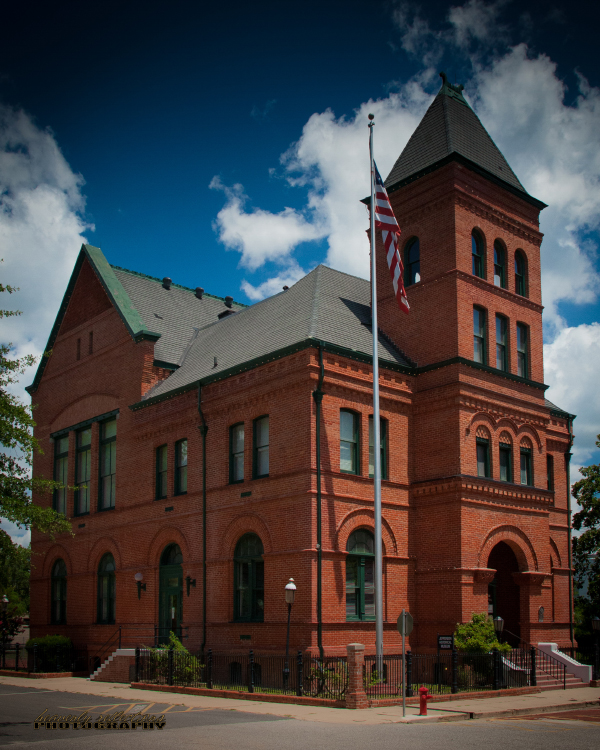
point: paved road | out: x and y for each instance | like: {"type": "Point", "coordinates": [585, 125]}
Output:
{"type": "Point", "coordinates": [222, 729]}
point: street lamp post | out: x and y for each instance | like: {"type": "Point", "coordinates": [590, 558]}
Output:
{"type": "Point", "coordinates": [290, 593]}
{"type": "Point", "coordinates": [498, 627]}
{"type": "Point", "coordinates": [596, 629]}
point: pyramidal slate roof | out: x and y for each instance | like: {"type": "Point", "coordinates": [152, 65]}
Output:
{"type": "Point", "coordinates": [450, 129]}
{"type": "Point", "coordinates": [325, 305]}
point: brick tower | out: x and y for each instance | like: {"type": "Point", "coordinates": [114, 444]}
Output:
{"type": "Point", "coordinates": [480, 422]}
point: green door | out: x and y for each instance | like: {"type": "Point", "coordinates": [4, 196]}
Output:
{"type": "Point", "coordinates": [170, 594]}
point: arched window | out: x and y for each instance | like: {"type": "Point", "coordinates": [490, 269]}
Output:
{"type": "Point", "coordinates": [506, 471]}
{"type": "Point", "coordinates": [171, 555]}
{"type": "Point", "coordinates": [412, 262]}
{"type": "Point", "coordinates": [477, 255]}
{"type": "Point", "coordinates": [526, 451]}
{"type": "Point", "coordinates": [349, 442]}
{"type": "Point", "coordinates": [482, 440]}
{"type": "Point", "coordinates": [59, 593]}
{"type": "Point", "coordinates": [249, 580]}
{"type": "Point", "coordinates": [106, 589]}
{"type": "Point", "coordinates": [520, 274]}
{"type": "Point", "coordinates": [499, 264]}
{"type": "Point", "coordinates": [360, 576]}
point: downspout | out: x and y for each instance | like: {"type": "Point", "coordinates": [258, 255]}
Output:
{"type": "Point", "coordinates": [203, 430]}
{"type": "Point", "coordinates": [318, 397]}
{"type": "Point", "coordinates": [568, 467]}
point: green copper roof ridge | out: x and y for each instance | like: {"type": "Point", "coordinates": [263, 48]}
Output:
{"type": "Point", "coordinates": [173, 284]}
{"type": "Point", "coordinates": [116, 293]}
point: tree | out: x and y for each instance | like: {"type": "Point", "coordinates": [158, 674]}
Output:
{"type": "Point", "coordinates": [16, 481]}
{"type": "Point", "coordinates": [586, 546]}
{"type": "Point", "coordinates": [478, 636]}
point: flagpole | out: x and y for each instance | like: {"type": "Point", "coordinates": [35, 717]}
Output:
{"type": "Point", "coordinates": [376, 427]}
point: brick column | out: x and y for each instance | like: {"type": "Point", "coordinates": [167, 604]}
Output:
{"type": "Point", "coordinates": [355, 695]}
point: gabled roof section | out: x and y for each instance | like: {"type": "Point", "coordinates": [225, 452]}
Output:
{"type": "Point", "coordinates": [325, 306]}
{"type": "Point", "coordinates": [450, 130]}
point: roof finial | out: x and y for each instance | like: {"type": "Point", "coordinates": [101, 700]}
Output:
{"type": "Point", "coordinates": [444, 78]}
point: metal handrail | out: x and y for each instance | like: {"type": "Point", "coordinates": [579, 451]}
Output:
{"type": "Point", "coordinates": [545, 662]}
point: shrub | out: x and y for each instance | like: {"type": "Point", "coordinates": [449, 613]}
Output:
{"type": "Point", "coordinates": [478, 636]}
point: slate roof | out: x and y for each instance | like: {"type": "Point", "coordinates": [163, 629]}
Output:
{"type": "Point", "coordinates": [173, 313]}
{"type": "Point", "coordinates": [450, 127]}
{"type": "Point", "coordinates": [325, 305]}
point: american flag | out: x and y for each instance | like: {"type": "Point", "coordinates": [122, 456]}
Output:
{"type": "Point", "coordinates": [390, 232]}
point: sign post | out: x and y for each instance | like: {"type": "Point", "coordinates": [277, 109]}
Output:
{"type": "Point", "coordinates": [405, 625]}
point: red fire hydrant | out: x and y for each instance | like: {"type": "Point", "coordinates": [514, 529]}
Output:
{"type": "Point", "coordinates": [423, 698]}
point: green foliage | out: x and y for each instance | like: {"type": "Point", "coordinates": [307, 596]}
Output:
{"type": "Point", "coordinates": [478, 636]}
{"type": "Point", "coordinates": [186, 668]}
{"type": "Point", "coordinates": [16, 455]}
{"type": "Point", "coordinates": [49, 641]}
{"type": "Point", "coordinates": [586, 546]}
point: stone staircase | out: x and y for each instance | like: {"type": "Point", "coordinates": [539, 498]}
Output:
{"type": "Point", "coordinates": [117, 667]}
{"type": "Point", "coordinates": [547, 682]}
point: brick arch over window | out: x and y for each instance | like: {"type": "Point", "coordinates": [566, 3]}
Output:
{"type": "Point", "coordinates": [555, 555]}
{"type": "Point", "coordinates": [481, 419]}
{"type": "Point", "coordinates": [88, 407]}
{"type": "Point", "coordinates": [482, 432]}
{"type": "Point", "coordinates": [56, 552]}
{"type": "Point", "coordinates": [505, 437]}
{"type": "Point", "coordinates": [507, 424]}
{"type": "Point", "coordinates": [102, 546]}
{"type": "Point", "coordinates": [527, 431]}
{"type": "Point", "coordinates": [517, 540]}
{"type": "Point", "coordinates": [169, 535]}
{"type": "Point", "coordinates": [525, 442]}
{"type": "Point", "coordinates": [364, 519]}
{"type": "Point", "coordinates": [248, 524]}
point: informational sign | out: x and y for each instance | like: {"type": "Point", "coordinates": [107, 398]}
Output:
{"type": "Point", "coordinates": [445, 642]}
{"type": "Point", "coordinates": [405, 625]}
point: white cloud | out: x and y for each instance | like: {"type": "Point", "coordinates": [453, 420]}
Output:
{"type": "Point", "coordinates": [475, 21]}
{"type": "Point", "coordinates": [571, 365]}
{"type": "Point", "coordinates": [273, 285]}
{"type": "Point", "coordinates": [259, 235]}
{"type": "Point", "coordinates": [41, 231]}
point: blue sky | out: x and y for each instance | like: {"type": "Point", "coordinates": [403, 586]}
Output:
{"type": "Point", "coordinates": [226, 146]}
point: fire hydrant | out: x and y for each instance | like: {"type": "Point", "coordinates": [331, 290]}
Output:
{"type": "Point", "coordinates": [423, 698]}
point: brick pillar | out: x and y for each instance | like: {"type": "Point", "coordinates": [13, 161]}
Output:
{"type": "Point", "coordinates": [355, 695]}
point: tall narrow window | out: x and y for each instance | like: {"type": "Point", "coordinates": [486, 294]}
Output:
{"type": "Point", "coordinates": [78, 349]}
{"type": "Point", "coordinates": [412, 262]}
{"type": "Point", "coordinates": [249, 580]}
{"type": "Point", "coordinates": [91, 343]}
{"type": "Point", "coordinates": [106, 590]}
{"type": "Point", "coordinates": [522, 351]}
{"type": "Point", "coordinates": [483, 457]}
{"type": "Point", "coordinates": [58, 612]}
{"type": "Point", "coordinates": [520, 274]}
{"type": "Point", "coordinates": [61, 473]}
{"type": "Point", "coordinates": [181, 466]}
{"type": "Point", "coordinates": [550, 471]}
{"type": "Point", "coordinates": [477, 255]}
{"type": "Point", "coordinates": [161, 472]}
{"type": "Point", "coordinates": [108, 464]}
{"type": "Point", "coordinates": [383, 443]}
{"type": "Point", "coordinates": [83, 471]}
{"type": "Point", "coordinates": [506, 474]}
{"type": "Point", "coordinates": [526, 473]}
{"type": "Point", "coordinates": [501, 343]}
{"type": "Point", "coordinates": [360, 576]}
{"type": "Point", "coordinates": [499, 265]}
{"type": "Point", "coordinates": [349, 442]}
{"type": "Point", "coordinates": [236, 453]}
{"type": "Point", "coordinates": [261, 447]}
{"type": "Point", "coordinates": [479, 335]}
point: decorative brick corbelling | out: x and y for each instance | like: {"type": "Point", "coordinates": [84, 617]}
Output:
{"type": "Point", "coordinates": [508, 224]}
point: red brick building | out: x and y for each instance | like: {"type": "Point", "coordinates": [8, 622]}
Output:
{"type": "Point", "coordinates": [219, 450]}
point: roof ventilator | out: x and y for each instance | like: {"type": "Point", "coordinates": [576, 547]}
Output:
{"type": "Point", "coordinates": [228, 301]}
{"type": "Point", "coordinates": [285, 288]}
{"type": "Point", "coordinates": [167, 282]}
{"type": "Point", "coordinates": [199, 292]}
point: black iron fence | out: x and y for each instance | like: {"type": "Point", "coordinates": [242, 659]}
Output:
{"type": "Point", "coordinates": [248, 672]}
{"type": "Point", "coordinates": [43, 658]}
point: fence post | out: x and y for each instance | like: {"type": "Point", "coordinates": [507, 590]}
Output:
{"type": "Point", "coordinates": [16, 657]}
{"type": "Point", "coordinates": [454, 665]}
{"type": "Point", "coordinates": [356, 696]}
{"type": "Point", "coordinates": [34, 658]}
{"type": "Point", "coordinates": [533, 668]}
{"type": "Point", "coordinates": [495, 654]}
{"type": "Point", "coordinates": [137, 664]}
{"type": "Point", "coordinates": [409, 690]}
{"type": "Point", "coordinates": [119, 636]}
{"type": "Point", "coordinates": [3, 656]}
{"type": "Point", "coordinates": [299, 669]}
{"type": "Point", "coordinates": [209, 669]}
{"type": "Point", "coordinates": [170, 667]}
{"type": "Point", "coordinates": [251, 683]}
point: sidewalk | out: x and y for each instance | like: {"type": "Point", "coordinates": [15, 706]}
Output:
{"type": "Point", "coordinates": [480, 708]}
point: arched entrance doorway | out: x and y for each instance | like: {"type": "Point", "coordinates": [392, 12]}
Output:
{"type": "Point", "coordinates": [504, 595]}
{"type": "Point", "coordinates": [170, 593]}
